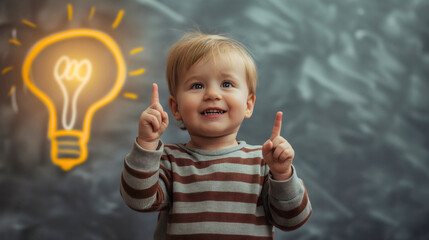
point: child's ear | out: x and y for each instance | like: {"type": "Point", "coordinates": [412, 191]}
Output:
{"type": "Point", "coordinates": [172, 103]}
{"type": "Point", "coordinates": [250, 104]}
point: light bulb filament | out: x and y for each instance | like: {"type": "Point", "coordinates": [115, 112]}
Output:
{"type": "Point", "coordinates": [72, 70]}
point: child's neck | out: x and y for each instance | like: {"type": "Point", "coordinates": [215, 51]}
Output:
{"type": "Point", "coordinates": [212, 143]}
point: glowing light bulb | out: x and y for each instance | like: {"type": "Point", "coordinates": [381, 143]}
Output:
{"type": "Point", "coordinates": [69, 141]}
{"type": "Point", "coordinates": [71, 71]}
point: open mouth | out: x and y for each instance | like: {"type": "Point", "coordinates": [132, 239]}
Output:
{"type": "Point", "coordinates": [213, 112]}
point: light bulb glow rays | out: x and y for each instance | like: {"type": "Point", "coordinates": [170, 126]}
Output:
{"type": "Point", "coordinates": [88, 73]}
{"type": "Point", "coordinates": [71, 71]}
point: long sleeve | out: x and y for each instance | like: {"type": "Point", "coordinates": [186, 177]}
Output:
{"type": "Point", "coordinates": [145, 180]}
{"type": "Point", "coordinates": [286, 202]}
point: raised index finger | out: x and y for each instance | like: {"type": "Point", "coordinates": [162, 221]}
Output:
{"type": "Point", "coordinates": [155, 97]}
{"type": "Point", "coordinates": [277, 125]}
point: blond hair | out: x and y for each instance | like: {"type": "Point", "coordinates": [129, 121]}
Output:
{"type": "Point", "coordinates": [196, 46]}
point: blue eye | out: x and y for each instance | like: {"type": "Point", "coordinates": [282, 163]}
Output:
{"type": "Point", "coordinates": [197, 86]}
{"type": "Point", "coordinates": [226, 84]}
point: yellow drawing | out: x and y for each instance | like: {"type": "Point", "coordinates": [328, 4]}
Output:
{"type": "Point", "coordinates": [136, 50]}
{"type": "Point", "coordinates": [73, 82]}
{"type": "Point", "coordinates": [137, 72]}
{"type": "Point", "coordinates": [69, 145]}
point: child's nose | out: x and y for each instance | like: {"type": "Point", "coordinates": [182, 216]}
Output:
{"type": "Point", "coordinates": [212, 93]}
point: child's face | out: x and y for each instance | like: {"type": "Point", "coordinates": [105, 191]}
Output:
{"type": "Point", "coordinates": [212, 98]}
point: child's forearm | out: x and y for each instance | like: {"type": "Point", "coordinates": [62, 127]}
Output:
{"type": "Point", "coordinates": [288, 203]}
{"type": "Point", "coordinates": [141, 182]}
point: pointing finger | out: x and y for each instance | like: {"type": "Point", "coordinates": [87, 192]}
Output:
{"type": "Point", "coordinates": [277, 126]}
{"type": "Point", "coordinates": [155, 95]}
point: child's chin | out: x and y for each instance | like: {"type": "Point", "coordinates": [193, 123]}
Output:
{"type": "Point", "coordinates": [217, 132]}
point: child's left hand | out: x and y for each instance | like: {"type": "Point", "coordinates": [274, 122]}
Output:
{"type": "Point", "coordinates": [278, 153]}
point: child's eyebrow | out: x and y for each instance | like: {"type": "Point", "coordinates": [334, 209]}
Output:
{"type": "Point", "coordinates": [191, 78]}
{"type": "Point", "coordinates": [228, 75]}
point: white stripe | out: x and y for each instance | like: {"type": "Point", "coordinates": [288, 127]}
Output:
{"type": "Point", "coordinates": [219, 186]}
{"type": "Point", "coordinates": [199, 158]}
{"type": "Point", "coordinates": [221, 167]}
{"type": "Point", "coordinates": [215, 206]}
{"type": "Point", "coordinates": [220, 228]}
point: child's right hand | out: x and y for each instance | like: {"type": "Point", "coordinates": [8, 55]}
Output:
{"type": "Point", "coordinates": [152, 123]}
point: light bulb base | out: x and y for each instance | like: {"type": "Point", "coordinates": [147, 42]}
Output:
{"type": "Point", "coordinates": [68, 150]}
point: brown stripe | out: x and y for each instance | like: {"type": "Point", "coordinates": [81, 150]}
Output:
{"type": "Point", "coordinates": [220, 176]}
{"type": "Point", "coordinates": [166, 171]}
{"type": "Point", "coordinates": [247, 150]}
{"type": "Point", "coordinates": [137, 173]}
{"type": "Point", "coordinates": [203, 164]}
{"type": "Point", "coordinates": [165, 175]}
{"type": "Point", "coordinates": [294, 212]}
{"type": "Point", "coordinates": [217, 217]}
{"type": "Point", "coordinates": [155, 205]}
{"type": "Point", "coordinates": [138, 194]}
{"type": "Point", "coordinates": [166, 182]}
{"type": "Point", "coordinates": [296, 226]}
{"type": "Point", "coordinates": [215, 237]}
{"type": "Point", "coordinates": [215, 196]}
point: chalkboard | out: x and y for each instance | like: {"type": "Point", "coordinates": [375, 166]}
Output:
{"type": "Point", "coordinates": [350, 76]}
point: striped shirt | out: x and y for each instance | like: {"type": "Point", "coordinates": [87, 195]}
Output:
{"type": "Point", "coordinates": [219, 194]}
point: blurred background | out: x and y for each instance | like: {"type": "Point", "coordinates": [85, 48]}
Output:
{"type": "Point", "coordinates": [351, 77]}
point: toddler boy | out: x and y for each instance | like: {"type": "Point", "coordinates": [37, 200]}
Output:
{"type": "Point", "coordinates": [212, 187]}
